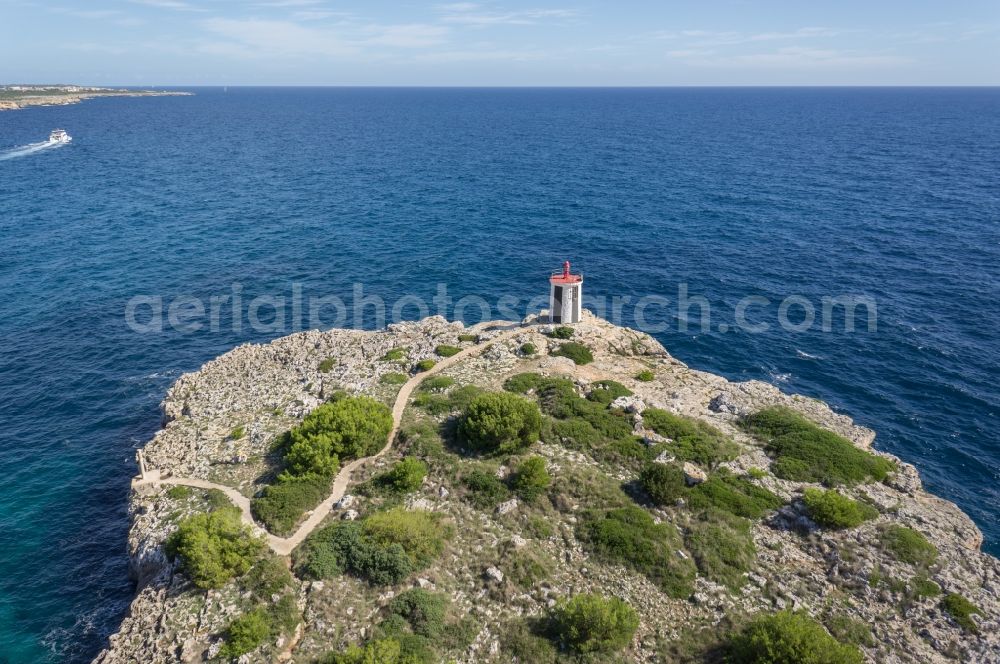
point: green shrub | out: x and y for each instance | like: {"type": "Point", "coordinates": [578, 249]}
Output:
{"type": "Point", "coordinates": [664, 482]}
{"type": "Point", "coordinates": [467, 337]}
{"type": "Point", "coordinates": [629, 536]}
{"type": "Point", "coordinates": [214, 547]}
{"type": "Point", "coordinates": [531, 479]}
{"type": "Point", "coordinates": [757, 473]}
{"type": "Point", "coordinates": [280, 506]}
{"type": "Point", "coordinates": [179, 492]}
{"type": "Point", "coordinates": [848, 630]}
{"type": "Point", "coordinates": [425, 365]}
{"type": "Point", "coordinates": [326, 365]}
{"type": "Point", "coordinates": [961, 610]}
{"type": "Point", "coordinates": [433, 403]}
{"type": "Point", "coordinates": [694, 440]}
{"type": "Point", "coordinates": [437, 383]}
{"type": "Point", "coordinates": [528, 349]}
{"type": "Point", "coordinates": [216, 499]}
{"type": "Point", "coordinates": [406, 476]}
{"type": "Point", "coordinates": [832, 509]}
{"type": "Point", "coordinates": [561, 332]}
{"type": "Point", "coordinates": [606, 391]}
{"type": "Point", "coordinates": [590, 623]}
{"type": "Point", "coordinates": [445, 350]}
{"type": "Point", "coordinates": [393, 378]}
{"type": "Point", "coordinates": [722, 547]}
{"type": "Point", "coordinates": [348, 428]}
{"type": "Point", "coordinates": [237, 433]}
{"type": "Point", "coordinates": [524, 644]}
{"type": "Point", "coordinates": [805, 452]}
{"type": "Point", "coordinates": [424, 611]}
{"type": "Point", "coordinates": [485, 490]}
{"type": "Point", "coordinates": [377, 651]}
{"type": "Point", "coordinates": [500, 422]}
{"type": "Point", "coordinates": [579, 353]}
{"type": "Point", "coordinates": [246, 633]}
{"type": "Point", "coordinates": [523, 383]}
{"type": "Point", "coordinates": [645, 376]}
{"type": "Point", "coordinates": [908, 545]}
{"type": "Point", "coordinates": [385, 548]}
{"type": "Point", "coordinates": [924, 587]}
{"type": "Point", "coordinates": [733, 494]}
{"type": "Point", "coordinates": [461, 397]}
{"type": "Point", "coordinates": [396, 354]}
{"type": "Point", "coordinates": [789, 638]}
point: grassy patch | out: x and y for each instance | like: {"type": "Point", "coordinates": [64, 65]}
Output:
{"type": "Point", "coordinates": [526, 567]}
{"type": "Point", "coordinates": [237, 433]}
{"type": "Point", "coordinates": [327, 365]}
{"type": "Point", "coordinates": [831, 509]}
{"type": "Point", "coordinates": [606, 391]}
{"type": "Point", "coordinates": [694, 440]}
{"type": "Point", "coordinates": [445, 350]}
{"type": "Point", "coordinates": [484, 489]}
{"type": "Point", "coordinates": [393, 378]}
{"type": "Point", "coordinates": [629, 536]}
{"type": "Point", "coordinates": [528, 348]}
{"type": "Point", "coordinates": [923, 587]}
{"type": "Point", "coordinates": [849, 630]}
{"type": "Point", "coordinates": [722, 547]}
{"type": "Point", "coordinates": [437, 383]}
{"type": "Point", "coordinates": [645, 376]}
{"type": "Point", "coordinates": [531, 479]}
{"type": "Point", "coordinates": [523, 383]}
{"type": "Point", "coordinates": [467, 337]}
{"type": "Point", "coordinates": [733, 494]}
{"type": "Point", "coordinates": [577, 352]}
{"type": "Point", "coordinates": [805, 452]}
{"type": "Point", "coordinates": [424, 365]}
{"type": "Point", "coordinates": [396, 354]}
{"type": "Point", "coordinates": [908, 545]}
{"type": "Point", "coordinates": [179, 492]}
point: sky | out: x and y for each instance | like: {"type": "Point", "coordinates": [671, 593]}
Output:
{"type": "Point", "coordinates": [500, 43]}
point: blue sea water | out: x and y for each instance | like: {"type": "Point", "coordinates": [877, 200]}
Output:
{"type": "Point", "coordinates": [893, 194]}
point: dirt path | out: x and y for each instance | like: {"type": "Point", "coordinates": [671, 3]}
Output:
{"type": "Point", "coordinates": [283, 546]}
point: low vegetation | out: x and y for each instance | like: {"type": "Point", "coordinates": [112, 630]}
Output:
{"type": "Point", "coordinates": [246, 633]}
{"type": "Point", "coordinates": [733, 494]}
{"type": "Point", "coordinates": [561, 332]}
{"type": "Point", "coordinates": [424, 365]}
{"type": "Point", "coordinates": [722, 547]}
{"type": "Point", "coordinates": [908, 545]}
{"type": "Point", "coordinates": [237, 433]}
{"type": "Point", "coordinates": [346, 428]}
{"type": "Point", "coordinates": [789, 638]}
{"type": "Point", "coordinates": [393, 378]}
{"type": "Point", "coordinates": [396, 355]}
{"type": "Point", "coordinates": [528, 349]}
{"type": "Point", "coordinates": [645, 376]}
{"type": "Point", "coordinates": [831, 509]}
{"type": "Point", "coordinates": [629, 536]}
{"type": "Point", "coordinates": [577, 352]}
{"type": "Point", "coordinates": [961, 610]}
{"type": "Point", "coordinates": [531, 479]}
{"type": "Point", "coordinates": [805, 452]}
{"type": "Point", "coordinates": [214, 547]}
{"type": "Point", "coordinates": [384, 548]}
{"type": "Point", "coordinates": [590, 623]}
{"type": "Point", "coordinates": [694, 440]}
{"type": "Point", "coordinates": [606, 391]}
{"type": "Point", "coordinates": [405, 476]}
{"type": "Point", "coordinates": [327, 365]}
{"type": "Point", "coordinates": [664, 482]}
{"type": "Point", "coordinates": [484, 489]}
{"type": "Point", "coordinates": [467, 337]}
{"type": "Point", "coordinates": [445, 350]}
{"type": "Point", "coordinates": [499, 422]}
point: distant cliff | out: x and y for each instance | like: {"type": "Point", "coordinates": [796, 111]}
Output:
{"type": "Point", "coordinates": [14, 97]}
{"type": "Point", "coordinates": [705, 515]}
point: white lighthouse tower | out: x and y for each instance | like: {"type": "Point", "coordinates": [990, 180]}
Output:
{"type": "Point", "coordinates": [565, 297]}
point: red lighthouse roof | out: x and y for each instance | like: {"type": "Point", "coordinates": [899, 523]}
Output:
{"type": "Point", "coordinates": [565, 277]}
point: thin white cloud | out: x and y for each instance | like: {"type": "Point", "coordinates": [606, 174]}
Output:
{"type": "Point", "coordinates": [177, 5]}
{"type": "Point", "coordinates": [467, 13]}
{"type": "Point", "coordinates": [258, 37]}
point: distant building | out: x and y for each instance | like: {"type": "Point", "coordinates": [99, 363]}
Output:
{"type": "Point", "coordinates": [565, 297]}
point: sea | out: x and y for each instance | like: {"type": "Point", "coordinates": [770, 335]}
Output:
{"type": "Point", "coordinates": [737, 225]}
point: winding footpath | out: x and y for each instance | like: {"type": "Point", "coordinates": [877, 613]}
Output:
{"type": "Point", "coordinates": [283, 546]}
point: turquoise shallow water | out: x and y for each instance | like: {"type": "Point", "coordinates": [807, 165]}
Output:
{"type": "Point", "coordinates": [888, 193]}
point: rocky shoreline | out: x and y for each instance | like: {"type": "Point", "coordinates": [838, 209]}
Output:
{"type": "Point", "coordinates": [266, 389]}
{"type": "Point", "coordinates": [28, 100]}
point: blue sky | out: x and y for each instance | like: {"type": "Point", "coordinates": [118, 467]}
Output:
{"type": "Point", "coordinates": [507, 42]}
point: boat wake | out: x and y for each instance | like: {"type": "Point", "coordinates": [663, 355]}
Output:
{"type": "Point", "coordinates": [31, 148]}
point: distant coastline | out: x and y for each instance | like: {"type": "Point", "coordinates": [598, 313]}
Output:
{"type": "Point", "coordinates": [15, 97]}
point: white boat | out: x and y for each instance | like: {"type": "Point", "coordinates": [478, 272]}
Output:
{"type": "Point", "coordinates": [59, 136]}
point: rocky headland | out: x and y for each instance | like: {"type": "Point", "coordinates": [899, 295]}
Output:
{"type": "Point", "coordinates": [13, 98]}
{"type": "Point", "coordinates": [883, 573]}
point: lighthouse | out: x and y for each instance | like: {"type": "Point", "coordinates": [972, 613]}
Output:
{"type": "Point", "coordinates": [565, 297]}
